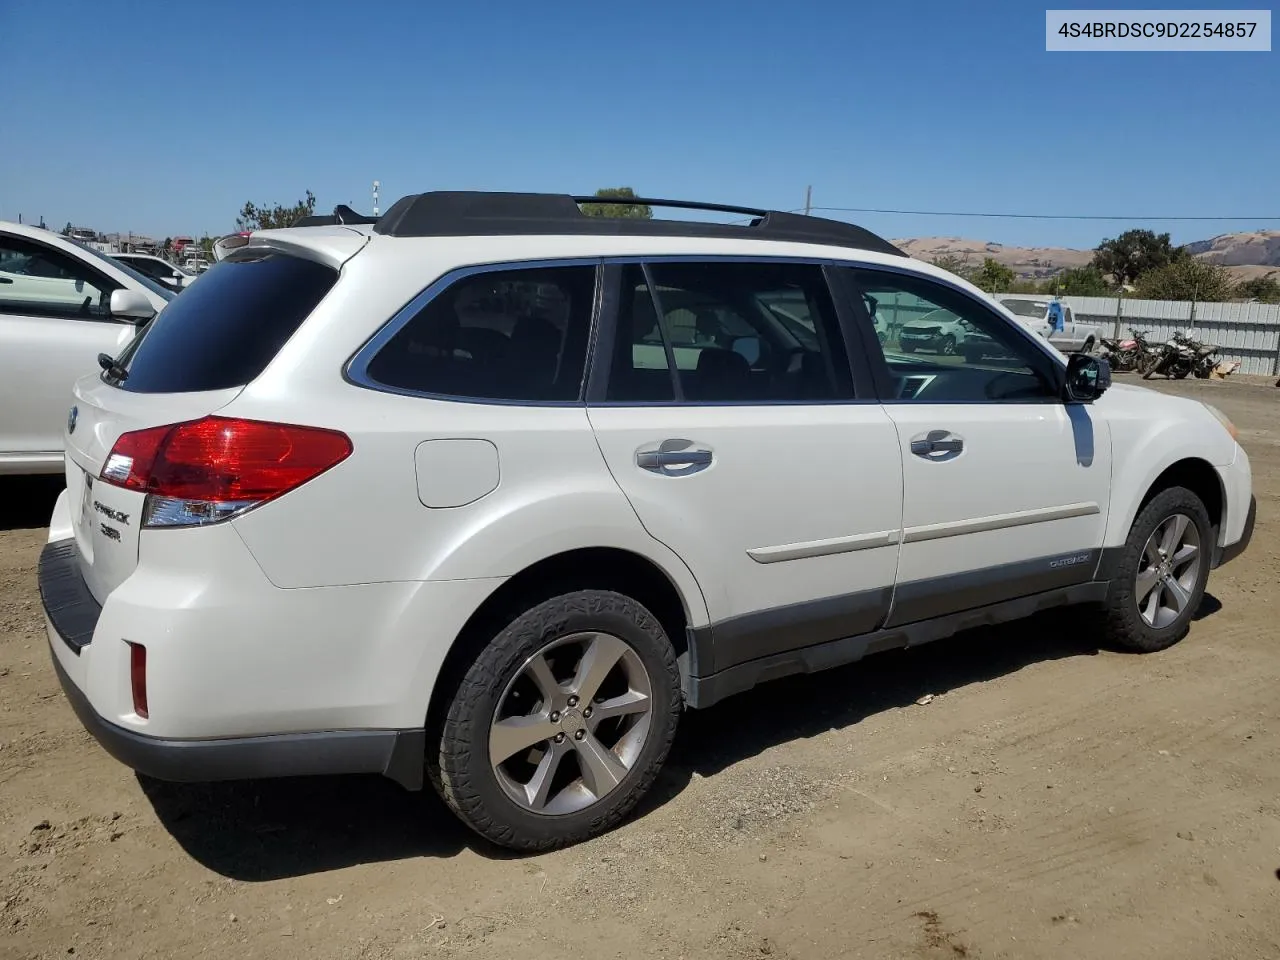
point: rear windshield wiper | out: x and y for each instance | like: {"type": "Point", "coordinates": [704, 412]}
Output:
{"type": "Point", "coordinates": [112, 368]}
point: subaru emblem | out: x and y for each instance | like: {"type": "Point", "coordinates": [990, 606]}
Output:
{"type": "Point", "coordinates": [71, 419]}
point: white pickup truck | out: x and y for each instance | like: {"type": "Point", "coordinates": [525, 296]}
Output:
{"type": "Point", "coordinates": [1033, 312]}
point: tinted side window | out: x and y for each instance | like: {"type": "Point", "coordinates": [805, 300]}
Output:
{"type": "Point", "coordinates": [40, 281]}
{"type": "Point", "coordinates": [223, 331]}
{"type": "Point", "coordinates": [948, 347]}
{"type": "Point", "coordinates": [501, 335]}
{"type": "Point", "coordinates": [760, 332]}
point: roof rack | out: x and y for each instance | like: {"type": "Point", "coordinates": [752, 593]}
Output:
{"type": "Point", "coordinates": [461, 214]}
{"type": "Point", "coordinates": [342, 214]}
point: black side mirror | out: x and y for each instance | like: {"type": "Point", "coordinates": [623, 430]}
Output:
{"type": "Point", "coordinates": [1087, 378]}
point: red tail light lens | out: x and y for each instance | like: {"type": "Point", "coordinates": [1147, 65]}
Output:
{"type": "Point", "coordinates": [210, 469]}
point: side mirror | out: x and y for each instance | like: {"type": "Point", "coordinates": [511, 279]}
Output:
{"type": "Point", "coordinates": [131, 305]}
{"type": "Point", "coordinates": [1087, 378]}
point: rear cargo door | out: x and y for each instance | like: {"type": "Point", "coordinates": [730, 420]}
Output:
{"type": "Point", "coordinates": [191, 360]}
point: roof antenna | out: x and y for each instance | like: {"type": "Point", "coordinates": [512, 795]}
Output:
{"type": "Point", "coordinates": [376, 185]}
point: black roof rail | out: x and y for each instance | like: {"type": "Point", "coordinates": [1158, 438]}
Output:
{"type": "Point", "coordinates": [342, 214]}
{"type": "Point", "coordinates": [445, 213]}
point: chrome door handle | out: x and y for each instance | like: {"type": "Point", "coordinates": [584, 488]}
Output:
{"type": "Point", "coordinates": [657, 459]}
{"type": "Point", "coordinates": [937, 445]}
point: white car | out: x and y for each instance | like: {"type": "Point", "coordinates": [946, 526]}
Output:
{"type": "Point", "coordinates": [159, 269]}
{"type": "Point", "coordinates": [486, 494]}
{"type": "Point", "coordinates": [1032, 311]}
{"type": "Point", "coordinates": [62, 303]}
{"type": "Point", "coordinates": [939, 331]}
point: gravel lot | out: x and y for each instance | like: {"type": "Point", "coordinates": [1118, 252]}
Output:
{"type": "Point", "coordinates": [1050, 801]}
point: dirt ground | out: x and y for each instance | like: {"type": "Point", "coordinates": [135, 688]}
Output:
{"type": "Point", "coordinates": [1050, 801]}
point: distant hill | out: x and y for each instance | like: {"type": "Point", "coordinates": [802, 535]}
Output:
{"type": "Point", "coordinates": [1260, 248]}
{"type": "Point", "coordinates": [1246, 255]}
{"type": "Point", "coordinates": [1026, 262]}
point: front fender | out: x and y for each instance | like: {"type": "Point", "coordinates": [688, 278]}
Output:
{"type": "Point", "coordinates": [1138, 462]}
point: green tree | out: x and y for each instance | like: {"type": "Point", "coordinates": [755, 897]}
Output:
{"type": "Point", "coordinates": [1133, 253]}
{"type": "Point", "coordinates": [1186, 279]}
{"type": "Point", "coordinates": [254, 217]}
{"type": "Point", "coordinates": [1265, 289]}
{"type": "Point", "coordinates": [1086, 281]}
{"type": "Point", "coordinates": [630, 211]}
{"type": "Point", "coordinates": [954, 263]}
{"type": "Point", "coordinates": [993, 276]}
{"type": "Point", "coordinates": [1028, 285]}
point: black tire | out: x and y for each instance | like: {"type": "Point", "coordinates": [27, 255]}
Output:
{"type": "Point", "coordinates": [907, 347]}
{"type": "Point", "coordinates": [1122, 624]}
{"type": "Point", "coordinates": [458, 751]}
{"type": "Point", "coordinates": [1089, 344]}
{"type": "Point", "coordinates": [971, 356]}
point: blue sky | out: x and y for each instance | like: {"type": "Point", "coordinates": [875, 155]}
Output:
{"type": "Point", "coordinates": [164, 118]}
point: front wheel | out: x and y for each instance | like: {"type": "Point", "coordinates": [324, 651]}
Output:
{"type": "Point", "coordinates": [561, 724]}
{"type": "Point", "coordinates": [1160, 578]}
{"type": "Point", "coordinates": [948, 346]}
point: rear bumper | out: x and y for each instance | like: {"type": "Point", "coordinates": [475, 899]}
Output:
{"type": "Point", "coordinates": [85, 660]}
{"type": "Point", "coordinates": [394, 753]}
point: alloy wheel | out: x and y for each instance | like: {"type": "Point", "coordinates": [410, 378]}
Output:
{"type": "Point", "coordinates": [571, 724]}
{"type": "Point", "coordinates": [1168, 571]}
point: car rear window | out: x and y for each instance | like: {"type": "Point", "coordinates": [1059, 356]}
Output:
{"type": "Point", "coordinates": [224, 330]}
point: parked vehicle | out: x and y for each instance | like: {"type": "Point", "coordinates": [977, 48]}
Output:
{"type": "Point", "coordinates": [1206, 359]}
{"type": "Point", "coordinates": [486, 493]}
{"type": "Point", "coordinates": [939, 331]}
{"type": "Point", "coordinates": [1072, 336]}
{"type": "Point", "coordinates": [1174, 359]}
{"type": "Point", "coordinates": [62, 303]}
{"type": "Point", "coordinates": [1125, 354]}
{"type": "Point", "coordinates": [158, 269]}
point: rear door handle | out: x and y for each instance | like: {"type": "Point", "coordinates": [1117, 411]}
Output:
{"type": "Point", "coordinates": [674, 458]}
{"type": "Point", "coordinates": [937, 445]}
{"type": "Point", "coordinates": [656, 459]}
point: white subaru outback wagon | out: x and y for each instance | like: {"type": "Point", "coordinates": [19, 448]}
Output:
{"type": "Point", "coordinates": [486, 492]}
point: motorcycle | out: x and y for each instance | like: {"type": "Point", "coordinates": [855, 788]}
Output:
{"type": "Point", "coordinates": [1124, 354]}
{"type": "Point", "coordinates": [1206, 360]}
{"type": "Point", "coordinates": [1175, 358]}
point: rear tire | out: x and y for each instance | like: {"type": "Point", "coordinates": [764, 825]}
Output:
{"type": "Point", "coordinates": [907, 347]}
{"type": "Point", "coordinates": [588, 772]}
{"type": "Point", "coordinates": [1154, 594]}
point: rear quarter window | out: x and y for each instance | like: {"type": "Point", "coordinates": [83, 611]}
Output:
{"type": "Point", "coordinates": [223, 331]}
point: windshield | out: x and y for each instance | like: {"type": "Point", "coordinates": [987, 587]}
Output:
{"type": "Point", "coordinates": [1027, 308]}
{"type": "Point", "coordinates": [120, 265]}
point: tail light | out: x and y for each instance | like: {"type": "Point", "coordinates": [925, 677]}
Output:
{"type": "Point", "coordinates": [208, 470]}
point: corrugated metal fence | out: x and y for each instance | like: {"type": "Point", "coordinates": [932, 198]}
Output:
{"type": "Point", "coordinates": [1247, 332]}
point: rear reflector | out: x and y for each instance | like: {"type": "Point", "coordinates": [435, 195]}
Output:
{"type": "Point", "coordinates": [211, 469]}
{"type": "Point", "coordinates": [138, 678]}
